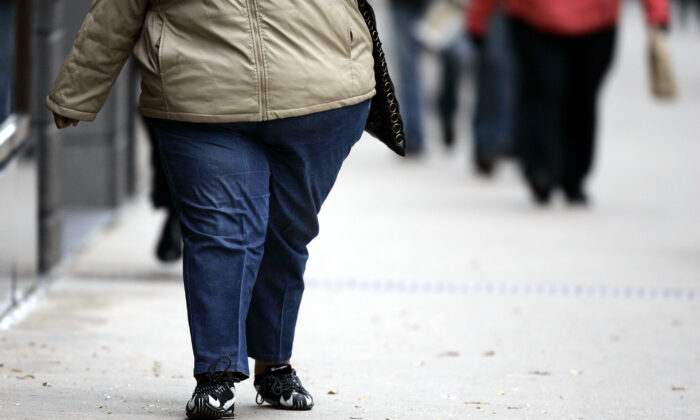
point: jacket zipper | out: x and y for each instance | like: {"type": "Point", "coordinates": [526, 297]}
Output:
{"type": "Point", "coordinates": [259, 60]}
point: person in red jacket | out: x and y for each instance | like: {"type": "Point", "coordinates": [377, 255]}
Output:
{"type": "Point", "coordinates": [563, 49]}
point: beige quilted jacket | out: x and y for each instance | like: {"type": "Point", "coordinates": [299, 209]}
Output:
{"type": "Point", "coordinates": [220, 60]}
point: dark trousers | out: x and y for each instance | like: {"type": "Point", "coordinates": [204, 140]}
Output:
{"type": "Point", "coordinates": [495, 96]}
{"type": "Point", "coordinates": [560, 78]}
{"type": "Point", "coordinates": [160, 192]}
{"type": "Point", "coordinates": [248, 196]}
{"type": "Point", "coordinates": [405, 14]}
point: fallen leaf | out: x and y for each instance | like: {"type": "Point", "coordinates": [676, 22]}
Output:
{"type": "Point", "coordinates": [16, 370]}
{"type": "Point", "coordinates": [476, 402]}
{"type": "Point", "coordinates": [677, 388]}
{"type": "Point", "coordinates": [540, 373]}
{"type": "Point", "coordinates": [501, 393]}
{"type": "Point", "coordinates": [156, 369]}
{"type": "Point", "coordinates": [449, 354]}
{"type": "Point", "coordinates": [489, 353]}
{"type": "Point", "coordinates": [333, 392]}
{"type": "Point", "coordinates": [26, 377]}
{"type": "Point", "coordinates": [515, 407]}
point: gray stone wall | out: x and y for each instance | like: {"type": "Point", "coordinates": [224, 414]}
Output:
{"type": "Point", "coordinates": [47, 54]}
{"type": "Point", "coordinates": [85, 166]}
{"type": "Point", "coordinates": [94, 156]}
{"type": "Point", "coordinates": [54, 170]}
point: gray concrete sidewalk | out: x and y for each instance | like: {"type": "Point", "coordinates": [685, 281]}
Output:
{"type": "Point", "coordinates": [100, 348]}
{"type": "Point", "coordinates": [431, 294]}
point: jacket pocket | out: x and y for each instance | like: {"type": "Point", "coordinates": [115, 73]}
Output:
{"type": "Point", "coordinates": [160, 44]}
{"type": "Point", "coordinates": [149, 45]}
{"type": "Point", "coordinates": [350, 8]}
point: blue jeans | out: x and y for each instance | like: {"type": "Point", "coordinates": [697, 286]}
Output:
{"type": "Point", "coordinates": [405, 15]}
{"type": "Point", "coordinates": [494, 119]}
{"type": "Point", "coordinates": [248, 196]}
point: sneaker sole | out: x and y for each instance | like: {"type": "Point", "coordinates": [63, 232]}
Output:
{"type": "Point", "coordinates": [278, 406]}
{"type": "Point", "coordinates": [203, 411]}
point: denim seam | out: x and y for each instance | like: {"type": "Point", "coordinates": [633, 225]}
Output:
{"type": "Point", "coordinates": [242, 326]}
{"type": "Point", "coordinates": [284, 305]}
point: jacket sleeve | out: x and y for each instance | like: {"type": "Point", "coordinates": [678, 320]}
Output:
{"type": "Point", "coordinates": [657, 11]}
{"type": "Point", "coordinates": [104, 42]}
{"type": "Point", "coordinates": [477, 16]}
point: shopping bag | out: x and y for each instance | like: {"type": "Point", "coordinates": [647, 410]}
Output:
{"type": "Point", "coordinates": [663, 83]}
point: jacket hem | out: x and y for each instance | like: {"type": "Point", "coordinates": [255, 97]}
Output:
{"type": "Point", "coordinates": [297, 112]}
{"type": "Point", "coordinates": [69, 112]}
{"type": "Point", "coordinates": [560, 29]}
{"type": "Point", "coordinates": [255, 116]}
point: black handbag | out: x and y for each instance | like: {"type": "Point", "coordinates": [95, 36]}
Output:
{"type": "Point", "coordinates": [384, 121]}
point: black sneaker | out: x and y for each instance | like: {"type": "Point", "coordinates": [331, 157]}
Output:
{"type": "Point", "coordinates": [280, 387]}
{"type": "Point", "coordinates": [214, 397]}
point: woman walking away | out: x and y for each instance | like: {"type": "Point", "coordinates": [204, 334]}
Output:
{"type": "Point", "coordinates": [563, 49]}
{"type": "Point", "coordinates": [255, 104]}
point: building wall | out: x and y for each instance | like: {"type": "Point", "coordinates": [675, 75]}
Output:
{"type": "Point", "coordinates": [18, 164]}
{"type": "Point", "coordinates": [47, 36]}
{"type": "Point", "coordinates": [52, 171]}
{"type": "Point", "coordinates": [94, 156]}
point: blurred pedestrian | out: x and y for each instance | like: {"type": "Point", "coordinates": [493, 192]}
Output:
{"type": "Point", "coordinates": [493, 122]}
{"type": "Point", "coordinates": [169, 245]}
{"type": "Point", "coordinates": [7, 44]}
{"type": "Point", "coordinates": [255, 106]}
{"type": "Point", "coordinates": [563, 51]}
{"type": "Point", "coordinates": [439, 31]}
{"type": "Point", "coordinates": [452, 61]}
{"type": "Point", "coordinates": [406, 14]}
{"type": "Point", "coordinates": [685, 9]}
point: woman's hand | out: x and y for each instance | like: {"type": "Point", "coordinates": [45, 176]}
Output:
{"type": "Point", "coordinates": [63, 122]}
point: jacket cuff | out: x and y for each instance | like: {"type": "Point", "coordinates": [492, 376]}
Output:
{"type": "Point", "coordinates": [68, 112]}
